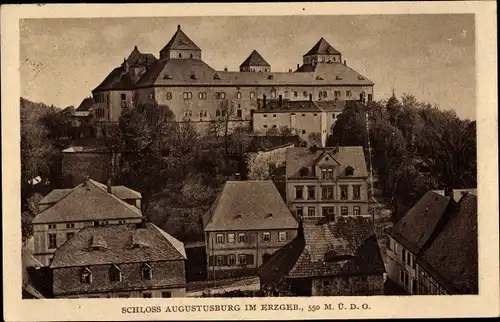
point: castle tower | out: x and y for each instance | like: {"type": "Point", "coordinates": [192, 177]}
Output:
{"type": "Point", "coordinates": [255, 63]}
{"type": "Point", "coordinates": [322, 52]}
{"type": "Point", "coordinates": [180, 47]}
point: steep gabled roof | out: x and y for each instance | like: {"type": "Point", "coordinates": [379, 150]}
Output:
{"type": "Point", "coordinates": [452, 257]}
{"type": "Point", "coordinates": [174, 71]}
{"type": "Point", "coordinates": [255, 59]}
{"type": "Point", "coordinates": [346, 246]}
{"type": "Point", "coordinates": [85, 105]}
{"type": "Point", "coordinates": [118, 79]}
{"type": "Point", "coordinates": [322, 47]}
{"type": "Point", "coordinates": [421, 223]}
{"type": "Point", "coordinates": [88, 201]}
{"type": "Point", "coordinates": [250, 205]}
{"type": "Point", "coordinates": [180, 41]}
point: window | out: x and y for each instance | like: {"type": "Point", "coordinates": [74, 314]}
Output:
{"type": "Point", "coordinates": [303, 131]}
{"type": "Point", "coordinates": [265, 115]}
{"type": "Point", "coordinates": [403, 255]}
{"type": "Point", "coordinates": [70, 225]}
{"type": "Point", "coordinates": [220, 261]}
{"type": "Point", "coordinates": [265, 126]}
{"type": "Point", "coordinates": [344, 211]}
{"type": "Point", "coordinates": [356, 211]}
{"type": "Point", "coordinates": [327, 193]}
{"type": "Point", "coordinates": [121, 221]}
{"type": "Point", "coordinates": [403, 276]}
{"type": "Point", "coordinates": [147, 295]}
{"type": "Point", "coordinates": [311, 193]}
{"type": "Point", "coordinates": [300, 211]}
{"type": "Point", "coordinates": [169, 95]}
{"type": "Point", "coordinates": [408, 259]}
{"type": "Point", "coordinates": [326, 173]}
{"type": "Point", "coordinates": [329, 212]}
{"type": "Point", "coordinates": [356, 192]}
{"type": "Point", "coordinates": [123, 97]}
{"type": "Point", "coordinates": [180, 55]}
{"type": "Point", "coordinates": [219, 239]}
{"type": "Point", "coordinates": [273, 93]}
{"type": "Point", "coordinates": [295, 94]}
{"type": "Point", "coordinates": [348, 94]}
{"type": "Point", "coordinates": [238, 95]}
{"type": "Point", "coordinates": [220, 95]}
{"type": "Point", "coordinates": [86, 276]}
{"type": "Point", "coordinates": [282, 236]}
{"type": "Point", "coordinates": [323, 94]}
{"type": "Point", "coordinates": [187, 95]}
{"type": "Point", "coordinates": [274, 126]}
{"type": "Point", "coordinates": [333, 116]}
{"type": "Point", "coordinates": [304, 94]}
{"type": "Point", "coordinates": [146, 272]}
{"type": "Point", "coordinates": [222, 113]}
{"type": "Point", "coordinates": [266, 236]}
{"type": "Point", "coordinates": [203, 114]}
{"type": "Point", "coordinates": [252, 95]}
{"type": "Point", "coordinates": [52, 226]}
{"type": "Point", "coordinates": [231, 260]}
{"type": "Point", "coordinates": [370, 97]}
{"type": "Point", "coordinates": [242, 259]}
{"type": "Point", "coordinates": [69, 235]}
{"type": "Point", "coordinates": [311, 211]}
{"type": "Point", "coordinates": [349, 171]}
{"type": "Point", "coordinates": [202, 95]}
{"type": "Point", "coordinates": [52, 241]}
{"type": "Point", "coordinates": [299, 192]}
{"type": "Point", "coordinates": [166, 294]}
{"type": "Point", "coordinates": [217, 113]}
{"type": "Point", "coordinates": [413, 264]}
{"type": "Point", "coordinates": [337, 94]}
{"type": "Point", "coordinates": [242, 238]}
{"type": "Point", "coordinates": [238, 113]}
{"type": "Point", "coordinates": [274, 115]}
{"type": "Point", "coordinates": [150, 96]}
{"type": "Point", "coordinates": [115, 274]}
{"type": "Point", "coordinates": [344, 193]}
{"type": "Point", "coordinates": [230, 238]}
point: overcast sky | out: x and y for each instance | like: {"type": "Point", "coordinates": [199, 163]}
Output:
{"type": "Point", "coordinates": [429, 56]}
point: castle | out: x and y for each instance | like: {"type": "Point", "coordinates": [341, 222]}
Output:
{"type": "Point", "coordinates": [194, 91]}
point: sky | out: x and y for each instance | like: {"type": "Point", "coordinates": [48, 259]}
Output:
{"type": "Point", "coordinates": [429, 56]}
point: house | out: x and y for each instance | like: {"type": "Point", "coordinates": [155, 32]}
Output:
{"type": "Point", "coordinates": [194, 91]}
{"type": "Point", "coordinates": [63, 212]}
{"type": "Point", "coordinates": [332, 258]}
{"type": "Point", "coordinates": [433, 248]}
{"type": "Point", "coordinates": [35, 280]}
{"type": "Point", "coordinates": [327, 182]}
{"type": "Point", "coordinates": [119, 261]}
{"type": "Point", "coordinates": [310, 120]}
{"type": "Point", "coordinates": [247, 223]}
{"type": "Point", "coordinates": [82, 118]}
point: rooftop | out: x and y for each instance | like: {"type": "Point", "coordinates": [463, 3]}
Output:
{"type": "Point", "coordinates": [346, 246]}
{"type": "Point", "coordinates": [342, 156]}
{"type": "Point", "coordinates": [289, 106]}
{"type": "Point", "coordinates": [322, 47]}
{"type": "Point", "coordinates": [249, 205]}
{"type": "Point", "coordinates": [255, 59]}
{"type": "Point", "coordinates": [88, 201]}
{"type": "Point", "coordinates": [180, 41]}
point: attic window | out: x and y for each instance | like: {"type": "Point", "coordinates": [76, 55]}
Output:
{"type": "Point", "coordinates": [166, 76]}
{"type": "Point", "coordinates": [349, 171]}
{"type": "Point", "coordinates": [360, 77]}
{"type": "Point", "coordinates": [269, 215]}
{"type": "Point", "coordinates": [216, 76]}
{"type": "Point", "coordinates": [304, 172]}
{"type": "Point", "coordinates": [238, 215]}
{"type": "Point", "coordinates": [193, 76]}
{"type": "Point", "coordinates": [319, 78]}
{"type": "Point", "coordinates": [146, 272]}
{"type": "Point", "coordinates": [338, 77]}
{"type": "Point", "coordinates": [98, 243]}
{"type": "Point", "coordinates": [86, 276]}
{"type": "Point", "coordinates": [270, 77]}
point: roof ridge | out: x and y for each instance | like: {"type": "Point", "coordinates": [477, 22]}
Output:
{"type": "Point", "coordinates": [65, 196]}
{"type": "Point", "coordinates": [135, 209]}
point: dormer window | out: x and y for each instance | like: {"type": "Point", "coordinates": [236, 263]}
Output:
{"type": "Point", "coordinates": [115, 274]}
{"type": "Point", "coordinates": [193, 76]}
{"type": "Point", "coordinates": [270, 77]}
{"type": "Point", "coordinates": [349, 171]}
{"type": "Point", "coordinates": [146, 272]}
{"type": "Point", "coordinates": [304, 172]}
{"type": "Point", "coordinates": [216, 76]}
{"type": "Point", "coordinates": [86, 276]}
{"type": "Point", "coordinates": [319, 78]}
{"type": "Point", "coordinates": [338, 77]}
{"type": "Point", "coordinates": [166, 76]}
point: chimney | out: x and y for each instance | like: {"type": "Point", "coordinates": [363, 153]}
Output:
{"type": "Point", "coordinates": [298, 66]}
{"type": "Point", "coordinates": [264, 101]}
{"type": "Point", "coordinates": [178, 27]}
{"type": "Point", "coordinates": [225, 69]}
{"type": "Point", "coordinates": [280, 101]}
{"type": "Point", "coordinates": [85, 181]}
{"type": "Point", "coordinates": [310, 97]}
{"type": "Point", "coordinates": [290, 70]}
{"type": "Point", "coordinates": [345, 62]}
{"type": "Point", "coordinates": [448, 192]}
{"type": "Point", "coordinates": [337, 148]}
{"type": "Point", "coordinates": [108, 184]}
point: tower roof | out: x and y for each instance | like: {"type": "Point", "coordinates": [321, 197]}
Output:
{"type": "Point", "coordinates": [180, 41]}
{"type": "Point", "coordinates": [322, 47]}
{"type": "Point", "coordinates": [255, 59]}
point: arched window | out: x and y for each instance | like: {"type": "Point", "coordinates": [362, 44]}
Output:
{"type": "Point", "coordinates": [146, 272]}
{"type": "Point", "coordinates": [115, 274]}
{"type": "Point", "coordinates": [86, 276]}
{"type": "Point", "coordinates": [180, 55]}
{"type": "Point", "coordinates": [349, 171]}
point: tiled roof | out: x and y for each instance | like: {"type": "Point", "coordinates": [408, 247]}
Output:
{"type": "Point", "coordinates": [87, 202]}
{"type": "Point", "coordinates": [155, 245]}
{"type": "Point", "coordinates": [250, 205]}
{"type": "Point", "coordinates": [297, 158]}
{"type": "Point", "coordinates": [118, 79]}
{"type": "Point", "coordinates": [322, 47]}
{"type": "Point", "coordinates": [255, 59]}
{"type": "Point", "coordinates": [30, 264]}
{"type": "Point", "coordinates": [346, 246]}
{"type": "Point", "coordinates": [288, 106]}
{"type": "Point", "coordinates": [194, 71]}
{"type": "Point", "coordinates": [180, 41]}
{"type": "Point", "coordinates": [54, 196]}
{"type": "Point", "coordinates": [452, 257]}
{"type": "Point", "coordinates": [121, 192]}
{"type": "Point", "coordinates": [85, 105]}
{"type": "Point", "coordinates": [271, 142]}
{"type": "Point", "coordinates": [416, 228]}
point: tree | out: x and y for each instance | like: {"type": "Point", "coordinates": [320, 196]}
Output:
{"type": "Point", "coordinates": [220, 126]}
{"type": "Point", "coordinates": [272, 132]}
{"type": "Point", "coordinates": [315, 139]}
